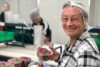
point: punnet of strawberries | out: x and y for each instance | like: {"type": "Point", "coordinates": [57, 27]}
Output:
{"type": "Point", "coordinates": [44, 50]}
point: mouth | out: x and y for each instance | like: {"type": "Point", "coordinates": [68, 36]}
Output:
{"type": "Point", "coordinates": [70, 29]}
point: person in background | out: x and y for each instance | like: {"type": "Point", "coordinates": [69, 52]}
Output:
{"type": "Point", "coordinates": [81, 50]}
{"type": "Point", "coordinates": [5, 8]}
{"type": "Point", "coordinates": [38, 20]}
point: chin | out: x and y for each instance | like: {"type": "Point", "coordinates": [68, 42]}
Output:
{"type": "Point", "coordinates": [71, 34]}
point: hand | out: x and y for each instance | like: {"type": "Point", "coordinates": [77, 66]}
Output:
{"type": "Point", "coordinates": [52, 56]}
{"type": "Point", "coordinates": [55, 54]}
{"type": "Point", "coordinates": [43, 52]}
{"type": "Point", "coordinates": [46, 39]}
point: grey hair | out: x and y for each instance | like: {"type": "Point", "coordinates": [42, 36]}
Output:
{"type": "Point", "coordinates": [6, 3]}
{"type": "Point", "coordinates": [34, 13]}
{"type": "Point", "coordinates": [81, 8]}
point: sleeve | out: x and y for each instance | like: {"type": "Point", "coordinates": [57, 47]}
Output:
{"type": "Point", "coordinates": [45, 27]}
{"type": "Point", "coordinates": [2, 18]}
{"type": "Point", "coordinates": [47, 31]}
{"type": "Point", "coordinates": [60, 50]}
{"type": "Point", "coordinates": [87, 59]}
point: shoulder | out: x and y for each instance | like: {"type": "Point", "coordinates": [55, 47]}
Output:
{"type": "Point", "coordinates": [88, 44]}
{"type": "Point", "coordinates": [1, 13]}
{"type": "Point", "coordinates": [45, 22]}
{"type": "Point", "coordinates": [87, 52]}
{"type": "Point", "coordinates": [88, 58]}
{"type": "Point", "coordinates": [85, 48]}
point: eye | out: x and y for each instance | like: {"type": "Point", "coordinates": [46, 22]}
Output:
{"type": "Point", "coordinates": [64, 19]}
{"type": "Point", "coordinates": [74, 19]}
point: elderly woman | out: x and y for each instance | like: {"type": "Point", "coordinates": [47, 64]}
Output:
{"type": "Point", "coordinates": [37, 20]}
{"type": "Point", "coordinates": [81, 50]}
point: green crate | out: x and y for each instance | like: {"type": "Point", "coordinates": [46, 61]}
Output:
{"type": "Point", "coordinates": [2, 33]}
{"type": "Point", "coordinates": [97, 40]}
{"type": "Point", "coordinates": [6, 36]}
{"type": "Point", "coordinates": [9, 36]}
{"type": "Point", "coordinates": [2, 38]}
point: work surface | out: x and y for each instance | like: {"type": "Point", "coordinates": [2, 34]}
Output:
{"type": "Point", "coordinates": [13, 51]}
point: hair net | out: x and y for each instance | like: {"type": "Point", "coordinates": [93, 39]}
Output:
{"type": "Point", "coordinates": [34, 13]}
{"type": "Point", "coordinates": [82, 9]}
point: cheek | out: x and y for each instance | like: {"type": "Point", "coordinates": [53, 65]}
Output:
{"type": "Point", "coordinates": [63, 24]}
{"type": "Point", "coordinates": [80, 27]}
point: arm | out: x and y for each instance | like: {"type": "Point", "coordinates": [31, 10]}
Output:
{"type": "Point", "coordinates": [2, 19]}
{"type": "Point", "coordinates": [45, 26]}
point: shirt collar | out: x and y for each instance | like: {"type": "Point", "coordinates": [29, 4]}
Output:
{"type": "Point", "coordinates": [78, 42]}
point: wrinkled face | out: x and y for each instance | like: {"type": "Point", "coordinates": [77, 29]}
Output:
{"type": "Point", "coordinates": [37, 20]}
{"type": "Point", "coordinates": [6, 7]}
{"type": "Point", "coordinates": [72, 21]}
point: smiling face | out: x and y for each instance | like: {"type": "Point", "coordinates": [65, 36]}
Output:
{"type": "Point", "coordinates": [72, 22]}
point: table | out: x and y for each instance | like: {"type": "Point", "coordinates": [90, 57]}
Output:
{"type": "Point", "coordinates": [13, 51]}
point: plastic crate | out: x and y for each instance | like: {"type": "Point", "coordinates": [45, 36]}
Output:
{"type": "Point", "coordinates": [2, 36]}
{"type": "Point", "coordinates": [9, 36]}
{"type": "Point", "coordinates": [97, 40]}
{"type": "Point", "coordinates": [6, 36]}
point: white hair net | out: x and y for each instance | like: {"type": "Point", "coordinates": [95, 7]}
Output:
{"type": "Point", "coordinates": [82, 9]}
{"type": "Point", "coordinates": [34, 13]}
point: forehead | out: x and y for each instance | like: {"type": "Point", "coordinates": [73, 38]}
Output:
{"type": "Point", "coordinates": [5, 5]}
{"type": "Point", "coordinates": [71, 11]}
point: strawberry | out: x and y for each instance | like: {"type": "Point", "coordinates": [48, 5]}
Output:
{"type": "Point", "coordinates": [40, 65]}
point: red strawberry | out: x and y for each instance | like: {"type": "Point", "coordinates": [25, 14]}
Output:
{"type": "Point", "coordinates": [40, 65]}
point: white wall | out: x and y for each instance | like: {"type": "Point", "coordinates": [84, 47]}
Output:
{"type": "Point", "coordinates": [1, 3]}
{"type": "Point", "coordinates": [13, 5]}
{"type": "Point", "coordinates": [50, 10]}
{"type": "Point", "coordinates": [95, 13]}
{"type": "Point", "coordinates": [26, 6]}
{"type": "Point", "coordinates": [23, 7]}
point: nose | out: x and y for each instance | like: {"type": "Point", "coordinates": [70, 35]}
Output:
{"type": "Point", "coordinates": [69, 23]}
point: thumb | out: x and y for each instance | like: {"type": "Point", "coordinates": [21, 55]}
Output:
{"type": "Point", "coordinates": [51, 45]}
